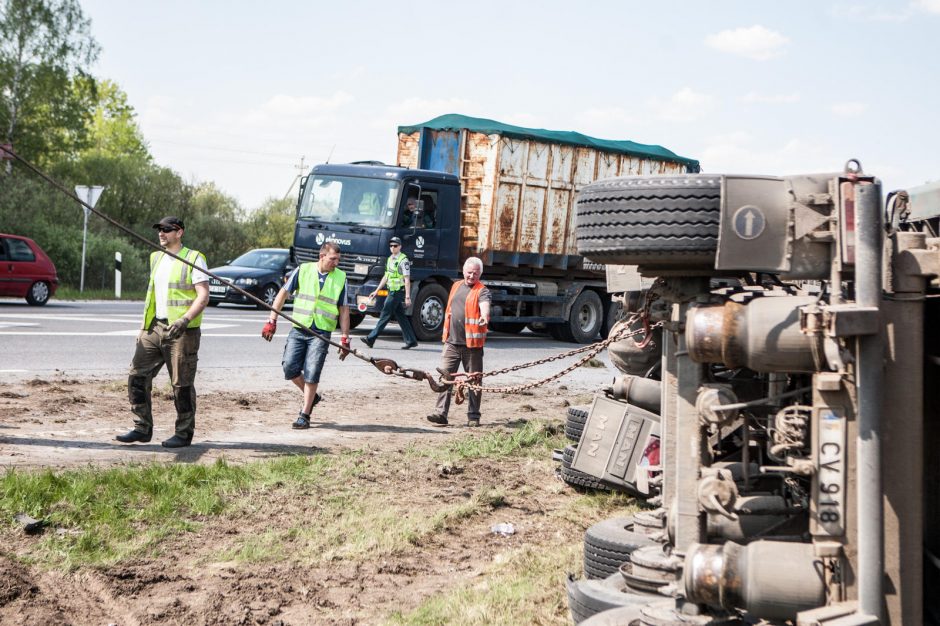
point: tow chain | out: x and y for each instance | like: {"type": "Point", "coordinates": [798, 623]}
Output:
{"type": "Point", "coordinates": [461, 382]}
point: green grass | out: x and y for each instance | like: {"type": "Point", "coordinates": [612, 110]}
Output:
{"type": "Point", "coordinates": [120, 512]}
{"type": "Point", "coordinates": [522, 586]}
{"type": "Point", "coordinates": [67, 292]}
{"type": "Point", "coordinates": [528, 438]}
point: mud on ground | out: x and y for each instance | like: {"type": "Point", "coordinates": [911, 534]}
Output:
{"type": "Point", "coordinates": [65, 423]}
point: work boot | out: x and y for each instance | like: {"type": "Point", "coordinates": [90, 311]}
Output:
{"type": "Point", "coordinates": [177, 442]}
{"type": "Point", "coordinates": [134, 436]}
{"type": "Point", "coordinates": [473, 422]}
{"type": "Point", "coordinates": [302, 422]}
{"type": "Point", "coordinates": [367, 341]}
{"type": "Point", "coordinates": [437, 419]}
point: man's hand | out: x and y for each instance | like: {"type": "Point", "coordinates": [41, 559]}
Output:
{"type": "Point", "coordinates": [269, 329]}
{"type": "Point", "coordinates": [344, 351]}
{"type": "Point", "coordinates": [176, 329]}
{"type": "Point", "coordinates": [373, 294]}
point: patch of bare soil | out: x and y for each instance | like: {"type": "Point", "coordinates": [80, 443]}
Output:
{"type": "Point", "coordinates": [187, 582]}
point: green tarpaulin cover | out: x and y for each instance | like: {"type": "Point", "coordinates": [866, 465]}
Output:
{"type": "Point", "coordinates": [453, 121]}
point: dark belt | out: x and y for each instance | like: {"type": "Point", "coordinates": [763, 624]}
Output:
{"type": "Point", "coordinates": [162, 320]}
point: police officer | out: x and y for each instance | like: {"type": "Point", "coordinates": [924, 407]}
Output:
{"type": "Point", "coordinates": [176, 297]}
{"type": "Point", "coordinates": [398, 278]}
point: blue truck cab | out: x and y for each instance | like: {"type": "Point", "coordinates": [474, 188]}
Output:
{"type": "Point", "coordinates": [361, 207]}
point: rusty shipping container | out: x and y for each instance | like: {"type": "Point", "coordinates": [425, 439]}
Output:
{"type": "Point", "coordinates": [518, 185]}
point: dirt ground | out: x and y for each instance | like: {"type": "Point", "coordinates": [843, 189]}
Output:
{"type": "Point", "coordinates": [65, 423]}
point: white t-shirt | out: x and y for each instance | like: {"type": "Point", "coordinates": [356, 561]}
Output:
{"type": "Point", "coordinates": [161, 281]}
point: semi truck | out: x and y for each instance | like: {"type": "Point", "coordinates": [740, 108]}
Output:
{"type": "Point", "coordinates": [481, 188]}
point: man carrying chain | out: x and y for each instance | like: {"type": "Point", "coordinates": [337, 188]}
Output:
{"type": "Point", "coordinates": [176, 297]}
{"type": "Point", "coordinates": [319, 305]}
{"type": "Point", "coordinates": [398, 277]}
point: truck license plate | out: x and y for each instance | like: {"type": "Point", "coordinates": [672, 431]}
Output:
{"type": "Point", "coordinates": [830, 483]}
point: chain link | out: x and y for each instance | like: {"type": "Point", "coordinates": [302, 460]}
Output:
{"type": "Point", "coordinates": [462, 385]}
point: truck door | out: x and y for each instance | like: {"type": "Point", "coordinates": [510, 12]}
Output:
{"type": "Point", "coordinates": [421, 231]}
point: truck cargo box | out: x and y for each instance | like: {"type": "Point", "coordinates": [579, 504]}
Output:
{"type": "Point", "coordinates": [518, 185]}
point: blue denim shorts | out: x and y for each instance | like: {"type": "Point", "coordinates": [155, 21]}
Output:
{"type": "Point", "coordinates": [304, 354]}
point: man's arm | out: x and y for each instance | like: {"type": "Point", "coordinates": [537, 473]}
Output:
{"type": "Point", "coordinates": [381, 284]}
{"type": "Point", "coordinates": [484, 313]}
{"type": "Point", "coordinates": [199, 304]}
{"type": "Point", "coordinates": [344, 320]}
{"type": "Point", "coordinates": [278, 304]}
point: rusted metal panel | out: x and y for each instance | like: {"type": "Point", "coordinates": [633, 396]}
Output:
{"type": "Point", "coordinates": [408, 150]}
{"type": "Point", "coordinates": [584, 168]}
{"type": "Point", "coordinates": [518, 194]}
{"type": "Point", "coordinates": [530, 228]}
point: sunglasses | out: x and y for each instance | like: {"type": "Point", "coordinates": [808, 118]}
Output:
{"type": "Point", "coordinates": [394, 245]}
{"type": "Point", "coordinates": [167, 229]}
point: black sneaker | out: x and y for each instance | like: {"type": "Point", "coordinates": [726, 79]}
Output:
{"type": "Point", "coordinates": [437, 419]}
{"type": "Point", "coordinates": [409, 346]}
{"type": "Point", "coordinates": [302, 422]}
{"type": "Point", "coordinates": [367, 341]}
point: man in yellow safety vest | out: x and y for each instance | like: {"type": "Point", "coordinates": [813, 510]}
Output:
{"type": "Point", "coordinates": [319, 305]}
{"type": "Point", "coordinates": [176, 296]}
{"type": "Point", "coordinates": [398, 279]}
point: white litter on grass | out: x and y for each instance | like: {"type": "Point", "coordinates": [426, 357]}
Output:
{"type": "Point", "coordinates": [505, 529]}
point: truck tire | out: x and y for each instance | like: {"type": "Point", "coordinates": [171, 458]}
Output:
{"type": "Point", "coordinates": [608, 544]}
{"type": "Point", "coordinates": [579, 480]}
{"type": "Point", "coordinates": [585, 320]}
{"type": "Point", "coordinates": [613, 313]}
{"type": "Point", "coordinates": [587, 598]}
{"type": "Point", "coordinates": [657, 221]}
{"type": "Point", "coordinates": [355, 319]}
{"type": "Point", "coordinates": [574, 424]}
{"type": "Point", "coordinates": [427, 312]}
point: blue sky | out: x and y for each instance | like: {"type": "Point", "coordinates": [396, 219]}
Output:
{"type": "Point", "coordinates": [236, 92]}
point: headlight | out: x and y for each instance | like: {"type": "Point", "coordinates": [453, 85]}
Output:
{"type": "Point", "coordinates": [247, 282]}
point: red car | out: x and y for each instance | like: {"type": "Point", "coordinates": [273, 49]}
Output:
{"type": "Point", "coordinates": [25, 270]}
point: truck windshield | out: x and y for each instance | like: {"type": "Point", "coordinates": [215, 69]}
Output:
{"type": "Point", "coordinates": [350, 200]}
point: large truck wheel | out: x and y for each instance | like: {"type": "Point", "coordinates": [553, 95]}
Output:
{"type": "Point", "coordinates": [585, 320]}
{"type": "Point", "coordinates": [355, 319]}
{"type": "Point", "coordinates": [427, 312]}
{"type": "Point", "coordinates": [656, 221]}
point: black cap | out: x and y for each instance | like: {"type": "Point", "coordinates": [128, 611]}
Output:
{"type": "Point", "coordinates": [395, 240]}
{"type": "Point", "coordinates": [170, 221]}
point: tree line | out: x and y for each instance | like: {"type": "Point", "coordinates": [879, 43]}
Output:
{"type": "Point", "coordinates": [80, 129]}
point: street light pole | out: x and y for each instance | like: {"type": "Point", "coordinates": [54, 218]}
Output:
{"type": "Point", "coordinates": [90, 195]}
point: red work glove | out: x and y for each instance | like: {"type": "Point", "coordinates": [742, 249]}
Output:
{"type": "Point", "coordinates": [344, 351]}
{"type": "Point", "coordinates": [269, 329]}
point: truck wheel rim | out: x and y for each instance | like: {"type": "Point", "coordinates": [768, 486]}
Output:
{"type": "Point", "coordinates": [432, 313]}
{"type": "Point", "coordinates": [587, 318]}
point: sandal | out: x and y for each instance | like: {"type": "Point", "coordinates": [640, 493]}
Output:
{"type": "Point", "coordinates": [302, 421]}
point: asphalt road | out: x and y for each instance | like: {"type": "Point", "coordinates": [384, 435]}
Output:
{"type": "Point", "coordinates": [89, 340]}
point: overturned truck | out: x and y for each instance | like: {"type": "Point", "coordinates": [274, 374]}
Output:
{"type": "Point", "coordinates": [798, 385]}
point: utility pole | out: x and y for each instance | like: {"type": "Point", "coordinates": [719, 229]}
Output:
{"type": "Point", "coordinates": [90, 196]}
{"type": "Point", "coordinates": [300, 172]}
